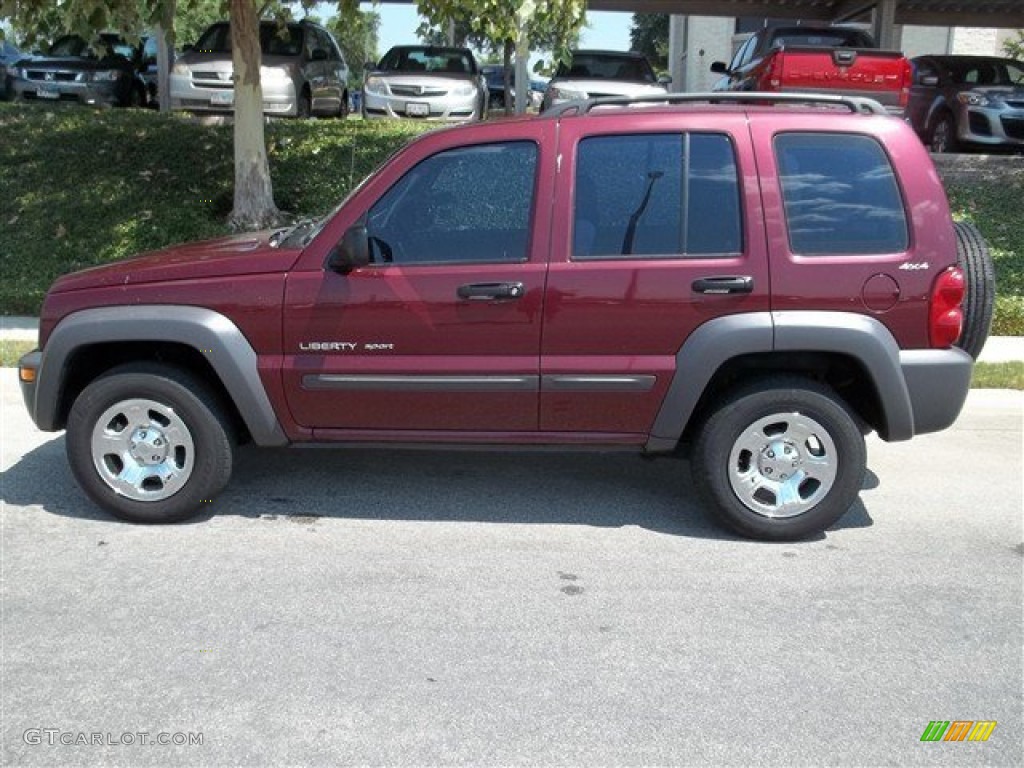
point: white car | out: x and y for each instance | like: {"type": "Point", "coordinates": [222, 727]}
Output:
{"type": "Point", "coordinates": [593, 74]}
{"type": "Point", "coordinates": [302, 72]}
{"type": "Point", "coordinates": [425, 82]}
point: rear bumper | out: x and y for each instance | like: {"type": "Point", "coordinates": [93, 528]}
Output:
{"type": "Point", "coordinates": [938, 381]}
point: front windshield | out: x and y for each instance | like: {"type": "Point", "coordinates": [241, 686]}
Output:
{"type": "Point", "coordinates": [76, 47]}
{"type": "Point", "coordinates": [274, 40]}
{"type": "Point", "coordinates": [603, 66]}
{"type": "Point", "coordinates": [451, 60]}
{"type": "Point", "coordinates": [988, 72]}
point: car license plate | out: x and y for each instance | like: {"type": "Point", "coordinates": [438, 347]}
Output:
{"type": "Point", "coordinates": [46, 93]}
{"type": "Point", "coordinates": [222, 98]}
{"type": "Point", "coordinates": [417, 109]}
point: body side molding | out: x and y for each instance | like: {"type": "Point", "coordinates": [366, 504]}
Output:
{"type": "Point", "coordinates": [228, 351]}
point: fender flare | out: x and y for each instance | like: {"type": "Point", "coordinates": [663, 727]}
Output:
{"type": "Point", "coordinates": [718, 341]}
{"type": "Point", "coordinates": [210, 333]}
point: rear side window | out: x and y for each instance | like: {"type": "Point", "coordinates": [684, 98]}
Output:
{"type": "Point", "coordinates": [840, 195]}
{"type": "Point", "coordinates": [656, 195]}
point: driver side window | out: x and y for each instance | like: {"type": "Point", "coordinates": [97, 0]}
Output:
{"type": "Point", "coordinates": [466, 205]}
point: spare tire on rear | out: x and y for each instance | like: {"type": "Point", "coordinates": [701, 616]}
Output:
{"type": "Point", "coordinates": [979, 273]}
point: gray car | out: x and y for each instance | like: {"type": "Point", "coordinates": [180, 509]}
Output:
{"type": "Point", "coordinates": [958, 102]}
{"type": "Point", "coordinates": [595, 74]}
{"type": "Point", "coordinates": [425, 82]}
{"type": "Point", "coordinates": [302, 72]}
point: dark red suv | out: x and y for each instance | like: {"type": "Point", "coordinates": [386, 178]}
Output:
{"type": "Point", "coordinates": [757, 284]}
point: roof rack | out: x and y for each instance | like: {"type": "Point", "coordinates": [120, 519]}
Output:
{"type": "Point", "coordinates": [857, 104]}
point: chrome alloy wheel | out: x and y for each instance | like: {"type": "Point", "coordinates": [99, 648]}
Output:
{"type": "Point", "coordinates": [142, 449]}
{"type": "Point", "coordinates": [782, 465]}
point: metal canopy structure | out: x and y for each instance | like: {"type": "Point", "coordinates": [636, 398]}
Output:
{"type": "Point", "coordinates": [949, 13]}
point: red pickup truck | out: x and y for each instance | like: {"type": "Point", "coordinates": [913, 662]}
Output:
{"type": "Point", "coordinates": [813, 59]}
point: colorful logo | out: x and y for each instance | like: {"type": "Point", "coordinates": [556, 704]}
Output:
{"type": "Point", "coordinates": [958, 730]}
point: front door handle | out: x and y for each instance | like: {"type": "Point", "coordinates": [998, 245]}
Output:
{"type": "Point", "coordinates": [490, 291]}
{"type": "Point", "coordinates": [724, 284]}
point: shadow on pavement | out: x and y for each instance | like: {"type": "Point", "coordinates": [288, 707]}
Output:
{"type": "Point", "coordinates": [595, 489]}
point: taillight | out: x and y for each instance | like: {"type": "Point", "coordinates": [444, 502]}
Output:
{"type": "Point", "coordinates": [908, 79]}
{"type": "Point", "coordinates": [775, 71]}
{"type": "Point", "coordinates": [945, 316]}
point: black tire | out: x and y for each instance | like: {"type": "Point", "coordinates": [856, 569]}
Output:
{"type": "Point", "coordinates": [136, 97]}
{"type": "Point", "coordinates": [304, 107]}
{"type": "Point", "coordinates": [944, 138]}
{"type": "Point", "coordinates": [197, 436]}
{"type": "Point", "coordinates": [832, 463]}
{"type": "Point", "coordinates": [343, 109]}
{"type": "Point", "coordinates": [979, 272]}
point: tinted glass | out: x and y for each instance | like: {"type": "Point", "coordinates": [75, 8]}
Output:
{"type": "Point", "coordinates": [274, 40]}
{"type": "Point", "coordinates": [830, 38]}
{"type": "Point", "coordinates": [840, 195]}
{"type": "Point", "coordinates": [456, 60]}
{"type": "Point", "coordinates": [471, 204]}
{"type": "Point", "coordinates": [604, 66]}
{"type": "Point", "coordinates": [656, 195]}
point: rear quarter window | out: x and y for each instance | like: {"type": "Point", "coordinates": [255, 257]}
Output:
{"type": "Point", "coordinates": [840, 195]}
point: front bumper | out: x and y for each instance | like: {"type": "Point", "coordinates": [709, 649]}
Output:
{"type": "Point", "coordinates": [448, 107]}
{"type": "Point", "coordinates": [30, 362]}
{"type": "Point", "coordinates": [995, 126]}
{"type": "Point", "coordinates": [106, 93]}
{"type": "Point", "coordinates": [278, 96]}
{"type": "Point", "coordinates": [938, 381]}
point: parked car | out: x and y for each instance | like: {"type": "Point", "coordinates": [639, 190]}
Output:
{"type": "Point", "coordinates": [593, 74]}
{"type": "Point", "coordinates": [758, 285]}
{"type": "Point", "coordinates": [105, 71]}
{"type": "Point", "coordinates": [425, 82]}
{"type": "Point", "coordinates": [795, 59]}
{"type": "Point", "coordinates": [10, 55]}
{"type": "Point", "coordinates": [302, 72]}
{"type": "Point", "coordinates": [494, 76]}
{"type": "Point", "coordinates": [962, 102]}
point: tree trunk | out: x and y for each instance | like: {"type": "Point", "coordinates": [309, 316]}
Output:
{"type": "Point", "coordinates": [506, 73]}
{"type": "Point", "coordinates": [165, 55]}
{"type": "Point", "coordinates": [254, 197]}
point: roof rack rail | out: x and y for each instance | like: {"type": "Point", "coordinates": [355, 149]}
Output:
{"type": "Point", "coordinates": [858, 104]}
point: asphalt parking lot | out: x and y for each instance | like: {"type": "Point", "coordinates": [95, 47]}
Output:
{"type": "Point", "coordinates": [408, 608]}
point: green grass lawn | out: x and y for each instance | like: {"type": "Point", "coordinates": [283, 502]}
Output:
{"type": "Point", "coordinates": [81, 186]}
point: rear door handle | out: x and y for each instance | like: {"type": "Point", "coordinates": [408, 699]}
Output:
{"type": "Point", "coordinates": [724, 284]}
{"type": "Point", "coordinates": [489, 291]}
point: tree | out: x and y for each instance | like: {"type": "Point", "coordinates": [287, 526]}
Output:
{"type": "Point", "coordinates": [649, 35]}
{"type": "Point", "coordinates": [192, 17]}
{"type": "Point", "coordinates": [508, 25]}
{"type": "Point", "coordinates": [358, 36]}
{"type": "Point", "coordinates": [1015, 48]}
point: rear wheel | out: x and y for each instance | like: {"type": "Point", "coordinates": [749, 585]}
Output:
{"type": "Point", "coordinates": [976, 261]}
{"type": "Point", "coordinates": [780, 459]}
{"type": "Point", "coordinates": [944, 135]}
{"type": "Point", "coordinates": [149, 443]}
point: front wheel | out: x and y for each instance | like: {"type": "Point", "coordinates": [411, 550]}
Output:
{"type": "Point", "coordinates": [944, 135]}
{"type": "Point", "coordinates": [149, 443]}
{"type": "Point", "coordinates": [781, 459]}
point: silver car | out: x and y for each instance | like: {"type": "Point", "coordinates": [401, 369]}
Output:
{"type": "Point", "coordinates": [593, 74]}
{"type": "Point", "coordinates": [425, 82]}
{"type": "Point", "coordinates": [302, 72]}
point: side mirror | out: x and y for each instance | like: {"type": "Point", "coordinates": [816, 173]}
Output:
{"type": "Point", "coordinates": [352, 252]}
{"type": "Point", "coordinates": [719, 68]}
{"type": "Point", "coordinates": [318, 54]}
{"type": "Point", "coordinates": [664, 79]}
{"type": "Point", "coordinates": [929, 80]}
{"type": "Point", "coordinates": [187, 48]}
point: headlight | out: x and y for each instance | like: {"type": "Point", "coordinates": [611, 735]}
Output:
{"type": "Point", "coordinates": [179, 68]}
{"type": "Point", "coordinates": [567, 94]}
{"type": "Point", "coordinates": [974, 99]}
{"type": "Point", "coordinates": [273, 74]}
{"type": "Point", "coordinates": [376, 85]}
{"type": "Point", "coordinates": [105, 76]}
{"type": "Point", "coordinates": [466, 89]}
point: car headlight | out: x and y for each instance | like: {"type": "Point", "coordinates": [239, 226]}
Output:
{"type": "Point", "coordinates": [466, 89]}
{"type": "Point", "coordinates": [105, 76]}
{"type": "Point", "coordinates": [376, 85]}
{"type": "Point", "coordinates": [179, 68]}
{"type": "Point", "coordinates": [273, 75]}
{"type": "Point", "coordinates": [974, 99]}
{"type": "Point", "coordinates": [567, 94]}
